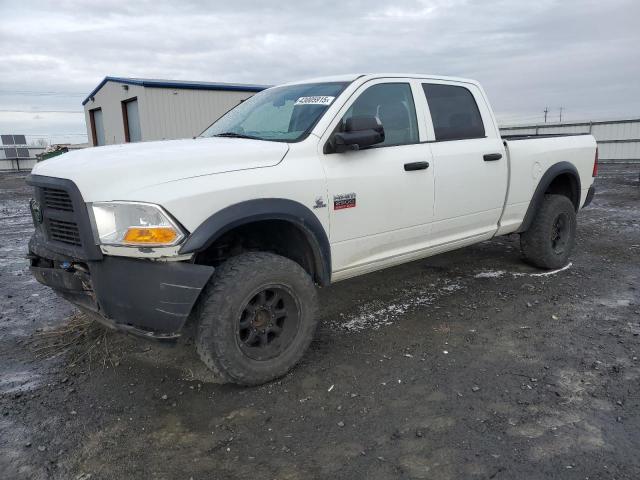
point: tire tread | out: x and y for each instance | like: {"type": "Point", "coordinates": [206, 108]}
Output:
{"type": "Point", "coordinates": [534, 243]}
{"type": "Point", "coordinates": [216, 295]}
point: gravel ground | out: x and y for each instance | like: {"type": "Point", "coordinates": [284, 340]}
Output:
{"type": "Point", "coordinates": [465, 365]}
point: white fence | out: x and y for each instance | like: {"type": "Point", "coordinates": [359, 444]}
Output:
{"type": "Point", "coordinates": [14, 163]}
{"type": "Point", "coordinates": [618, 140]}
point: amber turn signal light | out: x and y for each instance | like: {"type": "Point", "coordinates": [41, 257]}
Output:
{"type": "Point", "coordinates": [154, 235]}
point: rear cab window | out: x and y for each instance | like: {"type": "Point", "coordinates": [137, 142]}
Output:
{"type": "Point", "coordinates": [454, 112]}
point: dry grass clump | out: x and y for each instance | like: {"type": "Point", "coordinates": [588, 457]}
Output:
{"type": "Point", "coordinates": [82, 340]}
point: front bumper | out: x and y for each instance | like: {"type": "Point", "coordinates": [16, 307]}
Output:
{"type": "Point", "coordinates": [147, 298]}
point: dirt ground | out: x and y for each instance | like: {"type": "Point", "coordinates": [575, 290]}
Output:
{"type": "Point", "coordinates": [467, 365]}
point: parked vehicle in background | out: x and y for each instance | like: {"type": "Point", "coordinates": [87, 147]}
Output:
{"type": "Point", "coordinates": [301, 185]}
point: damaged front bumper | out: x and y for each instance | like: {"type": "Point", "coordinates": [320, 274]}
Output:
{"type": "Point", "coordinates": [147, 298]}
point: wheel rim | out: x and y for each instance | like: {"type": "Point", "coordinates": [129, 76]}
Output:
{"type": "Point", "coordinates": [268, 322]}
{"type": "Point", "coordinates": [560, 232]}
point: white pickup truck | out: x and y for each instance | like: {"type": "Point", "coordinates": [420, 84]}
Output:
{"type": "Point", "coordinates": [302, 185]}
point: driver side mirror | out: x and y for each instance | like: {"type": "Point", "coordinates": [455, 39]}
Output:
{"type": "Point", "coordinates": [359, 132]}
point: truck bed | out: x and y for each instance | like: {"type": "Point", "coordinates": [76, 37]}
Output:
{"type": "Point", "coordinates": [529, 157]}
{"type": "Point", "coordinates": [545, 135]}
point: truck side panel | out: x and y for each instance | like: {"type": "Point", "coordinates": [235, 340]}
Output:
{"type": "Point", "coordinates": [529, 159]}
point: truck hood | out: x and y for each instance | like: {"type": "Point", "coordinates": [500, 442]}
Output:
{"type": "Point", "coordinates": [115, 171]}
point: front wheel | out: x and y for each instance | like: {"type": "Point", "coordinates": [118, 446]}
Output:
{"type": "Point", "coordinates": [256, 318]}
{"type": "Point", "coordinates": [552, 234]}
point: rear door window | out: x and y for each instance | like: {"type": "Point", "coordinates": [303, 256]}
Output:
{"type": "Point", "coordinates": [454, 112]}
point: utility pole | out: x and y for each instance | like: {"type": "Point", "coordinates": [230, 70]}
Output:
{"type": "Point", "coordinates": [546, 110]}
{"type": "Point", "coordinates": [560, 114]}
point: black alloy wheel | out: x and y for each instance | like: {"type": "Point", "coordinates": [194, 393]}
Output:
{"type": "Point", "coordinates": [560, 233]}
{"type": "Point", "coordinates": [268, 322]}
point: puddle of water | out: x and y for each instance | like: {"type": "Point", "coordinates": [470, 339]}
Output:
{"type": "Point", "coordinates": [614, 302]}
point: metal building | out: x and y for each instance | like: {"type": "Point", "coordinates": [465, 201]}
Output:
{"type": "Point", "coordinates": [16, 155]}
{"type": "Point", "coordinates": [121, 110]}
{"type": "Point", "coordinates": [618, 140]}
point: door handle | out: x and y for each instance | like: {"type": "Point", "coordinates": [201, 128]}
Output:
{"type": "Point", "coordinates": [410, 167]}
{"type": "Point", "coordinates": [492, 157]}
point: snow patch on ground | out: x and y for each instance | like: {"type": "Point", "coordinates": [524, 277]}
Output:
{"type": "Point", "coordinates": [369, 318]}
{"type": "Point", "coordinates": [551, 272]}
{"type": "Point", "coordinates": [490, 274]}
{"type": "Point", "coordinates": [452, 287]}
{"type": "Point", "coordinates": [374, 315]}
{"type": "Point", "coordinates": [501, 273]}
{"type": "Point", "coordinates": [21, 381]}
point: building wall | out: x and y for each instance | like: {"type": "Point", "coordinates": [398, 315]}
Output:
{"type": "Point", "coordinates": [169, 113]}
{"type": "Point", "coordinates": [618, 140]}
{"type": "Point", "coordinates": [165, 113]}
{"type": "Point", "coordinates": [109, 99]}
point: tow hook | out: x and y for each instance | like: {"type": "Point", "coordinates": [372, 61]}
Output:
{"type": "Point", "coordinates": [67, 267]}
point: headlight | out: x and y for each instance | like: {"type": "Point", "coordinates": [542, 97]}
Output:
{"type": "Point", "coordinates": [134, 224]}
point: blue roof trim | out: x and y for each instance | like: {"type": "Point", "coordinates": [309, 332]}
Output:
{"type": "Point", "coordinates": [152, 83]}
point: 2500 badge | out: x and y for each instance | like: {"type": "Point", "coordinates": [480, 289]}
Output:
{"type": "Point", "coordinates": [344, 200]}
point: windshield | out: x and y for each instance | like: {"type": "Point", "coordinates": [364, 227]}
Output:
{"type": "Point", "coordinates": [285, 114]}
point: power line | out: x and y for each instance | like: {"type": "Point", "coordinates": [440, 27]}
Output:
{"type": "Point", "coordinates": [36, 93]}
{"type": "Point", "coordinates": [41, 111]}
{"type": "Point", "coordinates": [518, 114]}
{"type": "Point", "coordinates": [501, 115]}
{"type": "Point", "coordinates": [55, 134]}
{"type": "Point", "coordinates": [537, 118]}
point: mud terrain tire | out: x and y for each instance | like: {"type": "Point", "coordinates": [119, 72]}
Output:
{"type": "Point", "coordinates": [256, 318]}
{"type": "Point", "coordinates": [552, 235]}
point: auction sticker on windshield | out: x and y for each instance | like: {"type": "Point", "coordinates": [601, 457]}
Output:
{"type": "Point", "coordinates": [318, 100]}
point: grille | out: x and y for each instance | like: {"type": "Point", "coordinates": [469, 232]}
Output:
{"type": "Point", "coordinates": [65, 232]}
{"type": "Point", "coordinates": [56, 199]}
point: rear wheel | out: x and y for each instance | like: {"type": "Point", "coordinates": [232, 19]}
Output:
{"type": "Point", "coordinates": [256, 318]}
{"type": "Point", "coordinates": [552, 234]}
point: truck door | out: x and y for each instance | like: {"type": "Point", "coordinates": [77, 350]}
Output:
{"type": "Point", "coordinates": [469, 160]}
{"type": "Point", "coordinates": [381, 197]}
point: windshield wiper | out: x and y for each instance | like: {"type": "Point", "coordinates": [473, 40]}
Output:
{"type": "Point", "coordinates": [236, 135]}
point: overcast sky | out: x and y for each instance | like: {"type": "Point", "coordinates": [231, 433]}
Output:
{"type": "Point", "coordinates": [581, 55]}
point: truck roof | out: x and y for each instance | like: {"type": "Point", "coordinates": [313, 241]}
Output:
{"type": "Point", "coordinates": [350, 77]}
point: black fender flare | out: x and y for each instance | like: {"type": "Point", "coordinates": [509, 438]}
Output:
{"type": "Point", "coordinates": [266, 209]}
{"type": "Point", "coordinates": [538, 195]}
